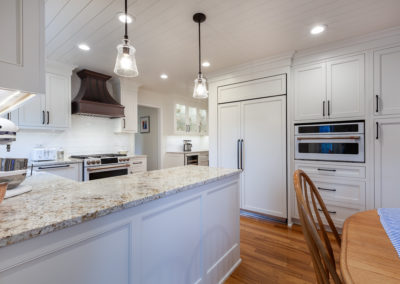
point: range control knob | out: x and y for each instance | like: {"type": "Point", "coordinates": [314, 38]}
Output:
{"type": "Point", "coordinates": [97, 162]}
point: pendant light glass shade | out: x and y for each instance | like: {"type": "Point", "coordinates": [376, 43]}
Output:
{"type": "Point", "coordinates": [200, 88]}
{"type": "Point", "coordinates": [200, 83]}
{"type": "Point", "coordinates": [125, 65]}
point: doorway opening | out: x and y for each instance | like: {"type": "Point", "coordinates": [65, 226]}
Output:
{"type": "Point", "coordinates": [147, 139]}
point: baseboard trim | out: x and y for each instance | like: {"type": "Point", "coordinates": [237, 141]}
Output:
{"type": "Point", "coordinates": [264, 217]}
{"type": "Point", "coordinates": [229, 273]}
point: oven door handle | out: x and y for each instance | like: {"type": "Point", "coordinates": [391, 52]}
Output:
{"type": "Point", "coordinates": [330, 138]}
{"type": "Point", "coordinates": [106, 168]}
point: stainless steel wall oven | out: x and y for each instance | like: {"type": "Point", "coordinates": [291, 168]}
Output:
{"type": "Point", "coordinates": [333, 141]}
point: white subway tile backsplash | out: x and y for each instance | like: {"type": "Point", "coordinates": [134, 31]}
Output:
{"type": "Point", "coordinates": [86, 135]}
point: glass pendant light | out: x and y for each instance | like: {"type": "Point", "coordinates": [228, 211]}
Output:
{"type": "Point", "coordinates": [200, 83]}
{"type": "Point", "coordinates": [125, 65]}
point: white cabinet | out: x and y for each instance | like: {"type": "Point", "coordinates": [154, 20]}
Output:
{"type": "Point", "coordinates": [22, 45]}
{"type": "Point", "coordinates": [342, 187]}
{"type": "Point", "coordinates": [33, 113]}
{"type": "Point", "coordinates": [334, 89]}
{"type": "Point", "coordinates": [345, 87]}
{"type": "Point", "coordinates": [260, 88]}
{"type": "Point", "coordinates": [190, 120]}
{"type": "Point", "coordinates": [70, 171]}
{"type": "Point", "coordinates": [13, 116]}
{"type": "Point", "coordinates": [310, 92]}
{"type": "Point", "coordinates": [252, 136]}
{"type": "Point", "coordinates": [387, 81]}
{"type": "Point", "coordinates": [128, 93]}
{"type": "Point", "coordinates": [52, 110]}
{"type": "Point", "coordinates": [58, 100]}
{"type": "Point", "coordinates": [138, 164]}
{"type": "Point", "coordinates": [173, 160]}
{"type": "Point", "coordinates": [387, 165]}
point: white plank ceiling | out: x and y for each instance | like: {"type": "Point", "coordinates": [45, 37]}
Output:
{"type": "Point", "coordinates": [235, 32]}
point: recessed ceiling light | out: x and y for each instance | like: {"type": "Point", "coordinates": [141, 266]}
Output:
{"type": "Point", "coordinates": [128, 18]}
{"type": "Point", "coordinates": [318, 29]}
{"type": "Point", "coordinates": [84, 46]}
{"type": "Point", "coordinates": [164, 76]}
{"type": "Point", "coordinates": [206, 64]}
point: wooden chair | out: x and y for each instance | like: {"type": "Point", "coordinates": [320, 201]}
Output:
{"type": "Point", "coordinates": [310, 204]}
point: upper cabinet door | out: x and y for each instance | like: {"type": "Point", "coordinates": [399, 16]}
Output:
{"type": "Point", "coordinates": [203, 125]}
{"type": "Point", "coordinates": [387, 81]}
{"type": "Point", "coordinates": [58, 100]}
{"type": "Point", "coordinates": [180, 118]}
{"type": "Point", "coordinates": [22, 45]}
{"type": "Point", "coordinates": [310, 92]}
{"type": "Point", "coordinates": [193, 120]}
{"type": "Point", "coordinates": [345, 87]}
{"type": "Point", "coordinates": [33, 113]}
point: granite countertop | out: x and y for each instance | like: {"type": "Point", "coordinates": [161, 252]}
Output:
{"type": "Point", "coordinates": [56, 203]}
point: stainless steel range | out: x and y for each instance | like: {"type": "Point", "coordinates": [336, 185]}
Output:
{"type": "Point", "coordinates": [99, 166]}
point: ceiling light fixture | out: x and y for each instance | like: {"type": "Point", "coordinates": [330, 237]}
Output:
{"type": "Point", "coordinates": [164, 76]}
{"type": "Point", "coordinates": [318, 29]}
{"type": "Point", "coordinates": [84, 47]}
{"type": "Point", "coordinates": [206, 64]}
{"type": "Point", "coordinates": [200, 83]}
{"type": "Point", "coordinates": [125, 18]}
{"type": "Point", "coordinates": [125, 64]}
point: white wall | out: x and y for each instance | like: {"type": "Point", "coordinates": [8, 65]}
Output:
{"type": "Point", "coordinates": [148, 143]}
{"type": "Point", "coordinates": [166, 103]}
{"type": "Point", "coordinates": [87, 135]}
{"type": "Point", "coordinates": [174, 143]}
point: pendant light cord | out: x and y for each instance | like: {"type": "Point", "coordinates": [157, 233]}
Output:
{"type": "Point", "coordinates": [126, 21]}
{"type": "Point", "coordinates": [199, 51]}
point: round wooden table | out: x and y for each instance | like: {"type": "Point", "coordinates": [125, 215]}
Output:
{"type": "Point", "coordinates": [367, 254]}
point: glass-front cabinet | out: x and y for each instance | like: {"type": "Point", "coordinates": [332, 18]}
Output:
{"type": "Point", "coordinates": [190, 120]}
{"type": "Point", "coordinates": [203, 125]}
{"type": "Point", "coordinates": [180, 118]}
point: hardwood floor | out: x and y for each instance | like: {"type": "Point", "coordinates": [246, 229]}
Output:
{"type": "Point", "coordinates": [273, 253]}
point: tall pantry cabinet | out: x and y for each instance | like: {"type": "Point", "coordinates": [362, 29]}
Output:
{"type": "Point", "coordinates": [387, 126]}
{"type": "Point", "coordinates": [252, 137]}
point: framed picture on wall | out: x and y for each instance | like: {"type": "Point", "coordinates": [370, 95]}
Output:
{"type": "Point", "coordinates": [145, 124]}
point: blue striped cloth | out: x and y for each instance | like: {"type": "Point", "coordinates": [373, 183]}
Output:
{"type": "Point", "coordinates": [390, 219]}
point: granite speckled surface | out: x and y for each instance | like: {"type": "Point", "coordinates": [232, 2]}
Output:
{"type": "Point", "coordinates": [56, 203]}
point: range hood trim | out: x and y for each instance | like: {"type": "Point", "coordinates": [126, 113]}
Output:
{"type": "Point", "coordinates": [93, 98]}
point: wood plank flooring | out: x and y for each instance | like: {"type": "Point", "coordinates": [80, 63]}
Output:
{"type": "Point", "coordinates": [273, 253]}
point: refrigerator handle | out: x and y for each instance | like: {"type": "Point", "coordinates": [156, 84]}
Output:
{"type": "Point", "coordinates": [241, 154]}
{"type": "Point", "coordinates": [238, 153]}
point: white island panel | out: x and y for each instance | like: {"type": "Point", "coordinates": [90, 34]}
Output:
{"type": "Point", "coordinates": [188, 237]}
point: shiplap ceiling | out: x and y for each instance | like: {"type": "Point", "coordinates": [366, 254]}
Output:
{"type": "Point", "coordinates": [235, 32]}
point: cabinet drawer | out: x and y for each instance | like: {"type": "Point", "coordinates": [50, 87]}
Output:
{"type": "Point", "coordinates": [338, 213]}
{"type": "Point", "coordinates": [203, 158]}
{"type": "Point", "coordinates": [332, 170]}
{"type": "Point", "coordinates": [346, 192]}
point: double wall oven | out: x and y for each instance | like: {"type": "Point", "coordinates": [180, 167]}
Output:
{"type": "Point", "coordinates": [338, 141]}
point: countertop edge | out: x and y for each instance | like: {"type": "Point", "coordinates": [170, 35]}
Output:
{"type": "Point", "coordinates": [40, 231]}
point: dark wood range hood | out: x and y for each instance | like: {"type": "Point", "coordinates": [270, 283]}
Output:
{"type": "Point", "coordinates": [93, 98]}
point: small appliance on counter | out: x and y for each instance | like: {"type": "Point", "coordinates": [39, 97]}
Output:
{"type": "Point", "coordinates": [187, 145]}
{"type": "Point", "coordinates": [13, 172]}
{"type": "Point", "coordinates": [44, 154]}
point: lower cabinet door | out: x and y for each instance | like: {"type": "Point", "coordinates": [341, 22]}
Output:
{"type": "Point", "coordinates": [387, 165]}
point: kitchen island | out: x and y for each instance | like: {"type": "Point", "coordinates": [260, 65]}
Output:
{"type": "Point", "coordinates": [178, 225]}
